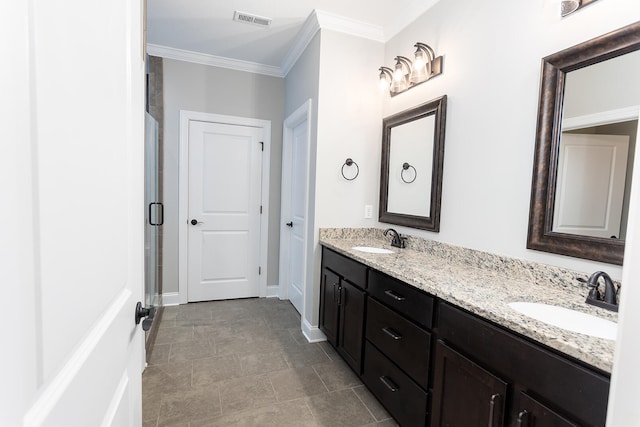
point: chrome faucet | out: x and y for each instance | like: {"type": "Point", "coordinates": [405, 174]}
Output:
{"type": "Point", "coordinates": [608, 299]}
{"type": "Point", "coordinates": [397, 241]}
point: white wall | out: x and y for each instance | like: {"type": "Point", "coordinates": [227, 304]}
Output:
{"type": "Point", "coordinates": [349, 125]}
{"type": "Point", "coordinates": [492, 56]}
{"type": "Point", "coordinates": [202, 88]}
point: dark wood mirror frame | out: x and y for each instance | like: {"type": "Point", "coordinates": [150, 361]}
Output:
{"type": "Point", "coordinates": [554, 69]}
{"type": "Point", "coordinates": [438, 107]}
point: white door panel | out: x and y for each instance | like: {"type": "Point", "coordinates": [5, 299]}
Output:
{"type": "Point", "coordinates": [83, 272]}
{"type": "Point", "coordinates": [294, 211]}
{"type": "Point", "coordinates": [225, 168]}
{"type": "Point", "coordinates": [590, 184]}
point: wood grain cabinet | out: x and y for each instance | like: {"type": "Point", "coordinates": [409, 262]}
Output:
{"type": "Point", "coordinates": [398, 348]}
{"type": "Point", "coordinates": [488, 374]}
{"type": "Point", "coordinates": [431, 363]}
{"type": "Point", "coordinates": [342, 306]}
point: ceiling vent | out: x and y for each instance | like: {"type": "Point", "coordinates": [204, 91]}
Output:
{"type": "Point", "coordinates": [249, 18]}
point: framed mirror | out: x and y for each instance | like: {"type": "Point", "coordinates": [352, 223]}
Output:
{"type": "Point", "coordinates": [585, 142]}
{"type": "Point", "coordinates": [411, 169]}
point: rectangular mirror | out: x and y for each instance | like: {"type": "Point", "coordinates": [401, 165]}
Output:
{"type": "Point", "coordinates": [585, 144]}
{"type": "Point", "coordinates": [411, 169]}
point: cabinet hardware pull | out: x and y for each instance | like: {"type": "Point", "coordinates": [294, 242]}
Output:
{"type": "Point", "coordinates": [522, 417]}
{"type": "Point", "coordinates": [394, 295]}
{"type": "Point", "coordinates": [393, 334]}
{"type": "Point", "coordinates": [492, 408]}
{"type": "Point", "coordinates": [389, 384]}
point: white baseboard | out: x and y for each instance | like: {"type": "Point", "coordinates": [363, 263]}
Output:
{"type": "Point", "coordinates": [170, 298]}
{"type": "Point", "coordinates": [272, 291]}
{"type": "Point", "coordinates": [312, 333]}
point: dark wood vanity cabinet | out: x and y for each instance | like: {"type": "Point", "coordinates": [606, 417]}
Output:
{"type": "Point", "coordinates": [342, 306]}
{"type": "Point", "coordinates": [398, 348]}
{"type": "Point", "coordinates": [515, 382]}
{"type": "Point", "coordinates": [431, 363]}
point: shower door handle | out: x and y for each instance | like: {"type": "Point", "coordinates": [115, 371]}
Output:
{"type": "Point", "coordinates": [161, 206]}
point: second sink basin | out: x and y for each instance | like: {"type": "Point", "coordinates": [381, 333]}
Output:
{"type": "Point", "coordinates": [372, 250]}
{"type": "Point", "coordinates": [570, 320]}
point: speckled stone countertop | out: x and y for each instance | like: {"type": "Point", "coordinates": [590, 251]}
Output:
{"type": "Point", "coordinates": [484, 284]}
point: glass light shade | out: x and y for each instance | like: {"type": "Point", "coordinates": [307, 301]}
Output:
{"type": "Point", "coordinates": [384, 81]}
{"type": "Point", "coordinates": [399, 82]}
{"type": "Point", "coordinates": [419, 71]}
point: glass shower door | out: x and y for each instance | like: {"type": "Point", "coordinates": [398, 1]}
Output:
{"type": "Point", "coordinates": [154, 217]}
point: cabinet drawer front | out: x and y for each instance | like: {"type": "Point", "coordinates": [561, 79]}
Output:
{"type": "Point", "coordinates": [400, 340]}
{"type": "Point", "coordinates": [578, 391]}
{"type": "Point", "coordinates": [404, 400]}
{"type": "Point", "coordinates": [405, 299]}
{"type": "Point", "coordinates": [349, 269]}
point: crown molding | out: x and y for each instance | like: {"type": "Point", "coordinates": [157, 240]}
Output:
{"type": "Point", "coordinates": [216, 61]}
{"type": "Point", "coordinates": [309, 29]}
{"type": "Point", "coordinates": [317, 20]}
{"type": "Point", "coordinates": [341, 24]}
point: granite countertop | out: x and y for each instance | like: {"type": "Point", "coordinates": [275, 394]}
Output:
{"type": "Point", "coordinates": [484, 284]}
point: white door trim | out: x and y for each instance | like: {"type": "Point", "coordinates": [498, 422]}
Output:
{"type": "Point", "coordinates": [183, 208]}
{"type": "Point", "coordinates": [302, 113]}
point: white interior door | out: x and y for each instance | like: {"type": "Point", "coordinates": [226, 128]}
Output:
{"type": "Point", "coordinates": [76, 160]}
{"type": "Point", "coordinates": [590, 184]}
{"type": "Point", "coordinates": [297, 219]}
{"type": "Point", "coordinates": [225, 168]}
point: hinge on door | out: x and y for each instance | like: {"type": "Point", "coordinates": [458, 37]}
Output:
{"type": "Point", "coordinates": [261, 145]}
{"type": "Point", "coordinates": [259, 271]}
{"type": "Point", "coordinates": [260, 209]}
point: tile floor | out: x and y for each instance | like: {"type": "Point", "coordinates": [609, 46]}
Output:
{"type": "Point", "coordinates": [246, 363]}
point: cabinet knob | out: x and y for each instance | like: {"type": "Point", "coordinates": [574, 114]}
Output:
{"type": "Point", "coordinates": [523, 418]}
{"type": "Point", "coordinates": [394, 295]}
{"type": "Point", "coordinates": [389, 384]}
{"type": "Point", "coordinates": [492, 408]}
{"type": "Point", "coordinates": [393, 334]}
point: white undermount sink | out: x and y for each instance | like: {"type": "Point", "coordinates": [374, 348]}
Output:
{"type": "Point", "coordinates": [372, 250]}
{"type": "Point", "coordinates": [570, 320]}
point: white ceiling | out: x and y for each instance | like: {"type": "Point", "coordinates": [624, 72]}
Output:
{"type": "Point", "coordinates": [206, 26]}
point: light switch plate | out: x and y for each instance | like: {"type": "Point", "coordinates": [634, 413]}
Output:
{"type": "Point", "coordinates": [368, 211]}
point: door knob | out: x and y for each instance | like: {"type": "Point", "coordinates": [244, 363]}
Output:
{"type": "Point", "coordinates": [141, 313]}
{"type": "Point", "coordinates": [195, 221]}
{"type": "Point", "coordinates": [289, 224]}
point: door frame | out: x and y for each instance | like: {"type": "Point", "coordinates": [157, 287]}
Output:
{"type": "Point", "coordinates": [183, 201]}
{"type": "Point", "coordinates": [301, 114]}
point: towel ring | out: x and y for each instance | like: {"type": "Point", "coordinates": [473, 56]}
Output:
{"type": "Point", "coordinates": [406, 166]}
{"type": "Point", "coordinates": [350, 162]}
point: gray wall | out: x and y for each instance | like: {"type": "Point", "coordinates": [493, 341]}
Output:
{"type": "Point", "coordinates": [207, 89]}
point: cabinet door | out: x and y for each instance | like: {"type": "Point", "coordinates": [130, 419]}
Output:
{"type": "Point", "coordinates": [531, 413]}
{"type": "Point", "coordinates": [351, 339]}
{"type": "Point", "coordinates": [329, 308]}
{"type": "Point", "coordinates": [464, 394]}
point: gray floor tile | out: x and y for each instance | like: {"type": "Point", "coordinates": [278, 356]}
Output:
{"type": "Point", "coordinates": [262, 363]}
{"type": "Point", "coordinates": [192, 404]}
{"type": "Point", "coordinates": [306, 355]}
{"type": "Point", "coordinates": [294, 413]}
{"type": "Point", "coordinates": [167, 377]}
{"type": "Point", "coordinates": [159, 354]}
{"type": "Point", "coordinates": [371, 403]}
{"type": "Point", "coordinates": [247, 364]}
{"type": "Point", "coordinates": [295, 383]}
{"type": "Point", "coordinates": [191, 350]}
{"type": "Point", "coordinates": [175, 334]}
{"type": "Point", "coordinates": [246, 393]}
{"type": "Point", "coordinates": [214, 369]}
{"type": "Point", "coordinates": [339, 409]}
{"type": "Point", "coordinates": [337, 375]}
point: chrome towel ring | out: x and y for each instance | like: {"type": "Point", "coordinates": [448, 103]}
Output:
{"type": "Point", "coordinates": [349, 162]}
{"type": "Point", "coordinates": [405, 167]}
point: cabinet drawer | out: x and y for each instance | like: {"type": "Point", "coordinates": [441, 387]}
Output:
{"type": "Point", "coordinates": [577, 390]}
{"type": "Point", "coordinates": [349, 269]}
{"type": "Point", "coordinates": [404, 400]}
{"type": "Point", "coordinates": [400, 340]}
{"type": "Point", "coordinates": [405, 299]}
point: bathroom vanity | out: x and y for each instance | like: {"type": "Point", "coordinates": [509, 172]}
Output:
{"type": "Point", "coordinates": [429, 332]}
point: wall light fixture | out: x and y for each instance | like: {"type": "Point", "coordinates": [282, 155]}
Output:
{"type": "Point", "coordinates": [407, 74]}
